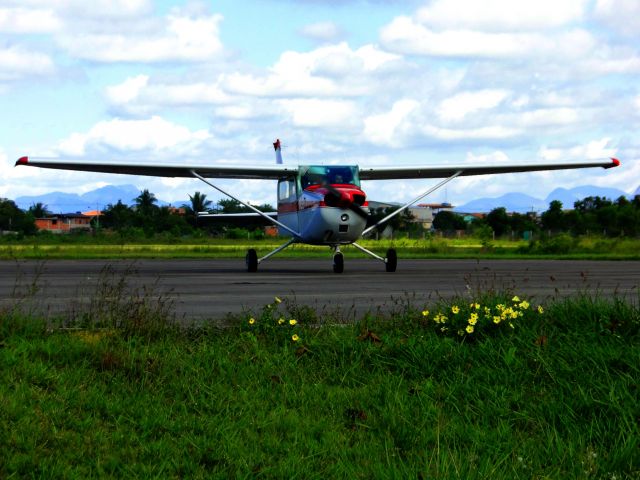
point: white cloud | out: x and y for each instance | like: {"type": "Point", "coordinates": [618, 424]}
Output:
{"type": "Point", "coordinates": [405, 35]}
{"type": "Point", "coordinates": [389, 128]}
{"type": "Point", "coordinates": [313, 112]}
{"type": "Point", "coordinates": [594, 150]}
{"type": "Point", "coordinates": [494, 157]}
{"type": "Point", "coordinates": [544, 117]}
{"type": "Point", "coordinates": [128, 90]}
{"type": "Point", "coordinates": [501, 15]}
{"type": "Point", "coordinates": [322, 31]}
{"type": "Point", "coordinates": [179, 39]}
{"type": "Point", "coordinates": [25, 20]}
{"type": "Point", "coordinates": [620, 15]}
{"type": "Point", "coordinates": [460, 105]}
{"type": "Point", "coordinates": [139, 96]}
{"type": "Point", "coordinates": [491, 132]}
{"type": "Point", "coordinates": [17, 62]}
{"type": "Point", "coordinates": [133, 135]}
{"type": "Point", "coordinates": [334, 70]}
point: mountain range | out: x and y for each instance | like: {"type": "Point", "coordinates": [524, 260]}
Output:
{"type": "Point", "coordinates": [521, 202]}
{"type": "Point", "coordinates": [59, 202]}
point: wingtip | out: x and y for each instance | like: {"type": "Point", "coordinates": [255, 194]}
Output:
{"type": "Point", "coordinates": [614, 163]}
{"type": "Point", "coordinates": [22, 161]}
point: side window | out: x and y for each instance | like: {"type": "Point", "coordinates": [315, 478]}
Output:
{"type": "Point", "coordinates": [286, 189]}
{"type": "Point", "coordinates": [283, 189]}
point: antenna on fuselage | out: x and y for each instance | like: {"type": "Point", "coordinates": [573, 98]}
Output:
{"type": "Point", "coordinates": [276, 147]}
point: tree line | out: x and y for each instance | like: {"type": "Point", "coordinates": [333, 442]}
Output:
{"type": "Point", "coordinates": [592, 215]}
{"type": "Point", "coordinates": [144, 217]}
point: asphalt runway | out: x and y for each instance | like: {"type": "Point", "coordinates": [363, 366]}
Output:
{"type": "Point", "coordinates": [211, 289]}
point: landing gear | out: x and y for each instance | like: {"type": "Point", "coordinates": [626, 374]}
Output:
{"type": "Point", "coordinates": [338, 262]}
{"type": "Point", "coordinates": [391, 260]}
{"type": "Point", "coordinates": [252, 260]}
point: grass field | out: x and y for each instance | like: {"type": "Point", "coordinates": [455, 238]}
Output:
{"type": "Point", "coordinates": [108, 247]}
{"type": "Point", "coordinates": [490, 387]}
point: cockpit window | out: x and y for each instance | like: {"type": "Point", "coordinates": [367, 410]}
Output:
{"type": "Point", "coordinates": [334, 175]}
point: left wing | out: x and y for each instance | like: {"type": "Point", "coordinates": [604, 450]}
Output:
{"type": "Point", "coordinates": [444, 171]}
{"type": "Point", "coordinates": [163, 170]}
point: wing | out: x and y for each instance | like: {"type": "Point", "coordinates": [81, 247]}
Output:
{"type": "Point", "coordinates": [163, 170]}
{"type": "Point", "coordinates": [444, 171]}
{"type": "Point", "coordinates": [225, 216]}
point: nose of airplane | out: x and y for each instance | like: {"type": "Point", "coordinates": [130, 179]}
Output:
{"type": "Point", "coordinates": [346, 198]}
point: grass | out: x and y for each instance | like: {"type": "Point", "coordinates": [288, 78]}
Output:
{"type": "Point", "coordinates": [406, 395]}
{"type": "Point", "coordinates": [109, 248]}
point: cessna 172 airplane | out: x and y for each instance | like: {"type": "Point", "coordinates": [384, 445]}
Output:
{"type": "Point", "coordinates": [317, 204]}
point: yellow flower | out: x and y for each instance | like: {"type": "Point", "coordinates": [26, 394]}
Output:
{"type": "Point", "coordinates": [444, 329]}
{"type": "Point", "coordinates": [295, 337]}
{"type": "Point", "coordinates": [472, 321]}
{"type": "Point", "coordinates": [280, 321]}
{"type": "Point", "coordinates": [475, 305]}
{"type": "Point", "coordinates": [540, 309]}
{"type": "Point", "coordinates": [515, 299]}
{"type": "Point", "coordinates": [524, 305]}
{"type": "Point", "coordinates": [252, 321]}
{"type": "Point", "coordinates": [293, 321]}
{"type": "Point", "coordinates": [425, 313]}
{"type": "Point", "coordinates": [496, 320]}
{"type": "Point", "coordinates": [469, 329]}
{"type": "Point", "coordinates": [455, 309]}
{"type": "Point", "coordinates": [277, 299]}
{"type": "Point", "coordinates": [487, 311]}
{"type": "Point", "coordinates": [440, 318]}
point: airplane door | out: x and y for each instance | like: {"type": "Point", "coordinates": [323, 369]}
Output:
{"type": "Point", "coordinates": [287, 205]}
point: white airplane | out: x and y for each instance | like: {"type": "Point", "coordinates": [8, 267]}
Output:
{"type": "Point", "coordinates": [317, 204]}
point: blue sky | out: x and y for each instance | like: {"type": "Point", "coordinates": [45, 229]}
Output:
{"type": "Point", "coordinates": [371, 82]}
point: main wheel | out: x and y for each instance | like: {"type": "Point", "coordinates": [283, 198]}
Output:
{"type": "Point", "coordinates": [391, 262]}
{"type": "Point", "coordinates": [338, 263]}
{"type": "Point", "coordinates": [252, 260]}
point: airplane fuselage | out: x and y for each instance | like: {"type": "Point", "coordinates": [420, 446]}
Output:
{"type": "Point", "coordinates": [324, 204]}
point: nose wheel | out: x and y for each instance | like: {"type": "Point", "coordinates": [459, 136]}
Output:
{"type": "Point", "coordinates": [338, 262]}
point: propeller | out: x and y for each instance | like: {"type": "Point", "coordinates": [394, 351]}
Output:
{"type": "Point", "coordinates": [336, 198]}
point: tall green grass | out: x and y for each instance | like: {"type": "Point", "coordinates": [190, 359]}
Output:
{"type": "Point", "coordinates": [113, 246]}
{"type": "Point", "coordinates": [285, 392]}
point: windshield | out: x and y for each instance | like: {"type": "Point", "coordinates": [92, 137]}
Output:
{"type": "Point", "coordinates": [329, 174]}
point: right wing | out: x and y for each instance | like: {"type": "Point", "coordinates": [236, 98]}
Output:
{"type": "Point", "coordinates": [444, 171]}
{"type": "Point", "coordinates": [163, 170]}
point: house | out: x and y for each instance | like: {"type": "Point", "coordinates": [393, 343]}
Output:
{"type": "Point", "coordinates": [64, 222]}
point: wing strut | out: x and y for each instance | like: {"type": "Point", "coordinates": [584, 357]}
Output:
{"type": "Point", "coordinates": [262, 214]}
{"type": "Point", "coordinates": [407, 205]}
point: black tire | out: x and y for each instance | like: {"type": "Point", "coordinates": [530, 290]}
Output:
{"type": "Point", "coordinates": [391, 262]}
{"type": "Point", "coordinates": [338, 263]}
{"type": "Point", "coordinates": [252, 260]}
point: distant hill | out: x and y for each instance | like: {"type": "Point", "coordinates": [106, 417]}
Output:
{"type": "Point", "coordinates": [59, 202]}
{"type": "Point", "coordinates": [513, 202]}
{"type": "Point", "coordinates": [520, 202]}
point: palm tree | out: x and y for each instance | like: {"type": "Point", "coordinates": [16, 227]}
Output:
{"type": "Point", "coordinates": [199, 203]}
{"type": "Point", "coordinates": [145, 202]}
{"type": "Point", "coordinates": [39, 210]}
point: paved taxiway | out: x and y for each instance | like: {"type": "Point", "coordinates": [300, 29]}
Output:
{"type": "Point", "coordinates": [212, 288]}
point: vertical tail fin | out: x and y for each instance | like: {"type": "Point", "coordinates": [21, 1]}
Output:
{"type": "Point", "coordinates": [276, 147]}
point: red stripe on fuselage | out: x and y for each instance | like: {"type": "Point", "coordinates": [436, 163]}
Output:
{"type": "Point", "coordinates": [313, 197]}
